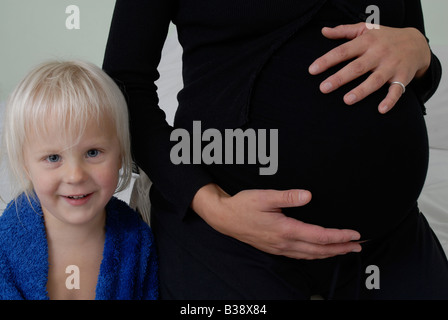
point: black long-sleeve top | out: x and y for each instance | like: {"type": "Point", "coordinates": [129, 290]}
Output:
{"type": "Point", "coordinates": [225, 45]}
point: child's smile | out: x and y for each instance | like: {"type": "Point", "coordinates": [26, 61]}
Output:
{"type": "Point", "coordinates": [78, 200]}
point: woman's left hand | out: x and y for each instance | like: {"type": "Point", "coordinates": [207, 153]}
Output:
{"type": "Point", "coordinates": [390, 54]}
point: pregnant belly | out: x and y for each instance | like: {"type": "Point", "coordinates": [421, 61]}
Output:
{"type": "Point", "coordinates": [364, 169]}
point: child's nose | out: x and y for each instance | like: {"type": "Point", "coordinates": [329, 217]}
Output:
{"type": "Point", "coordinates": [75, 173]}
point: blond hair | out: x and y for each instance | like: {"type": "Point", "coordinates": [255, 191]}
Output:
{"type": "Point", "coordinates": [71, 93]}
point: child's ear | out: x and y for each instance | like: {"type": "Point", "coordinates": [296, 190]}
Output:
{"type": "Point", "coordinates": [27, 172]}
{"type": "Point", "coordinates": [27, 178]}
{"type": "Point", "coordinates": [120, 162]}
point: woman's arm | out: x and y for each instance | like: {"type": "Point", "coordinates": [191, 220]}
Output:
{"type": "Point", "coordinates": [424, 85]}
{"type": "Point", "coordinates": [133, 52]}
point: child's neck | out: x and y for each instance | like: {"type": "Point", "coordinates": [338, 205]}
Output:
{"type": "Point", "coordinates": [66, 235]}
{"type": "Point", "coordinates": [80, 246]}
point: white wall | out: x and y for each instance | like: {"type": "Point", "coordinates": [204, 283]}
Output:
{"type": "Point", "coordinates": [436, 22]}
{"type": "Point", "coordinates": [34, 30]}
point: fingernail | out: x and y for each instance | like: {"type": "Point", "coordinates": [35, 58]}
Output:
{"type": "Point", "coordinates": [356, 237]}
{"type": "Point", "coordinates": [384, 109]}
{"type": "Point", "coordinates": [357, 249]}
{"type": "Point", "coordinates": [303, 196]}
{"type": "Point", "coordinates": [327, 86]}
{"type": "Point", "coordinates": [314, 68]}
{"type": "Point", "coordinates": [351, 98]}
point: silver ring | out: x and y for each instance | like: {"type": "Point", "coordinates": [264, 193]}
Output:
{"type": "Point", "coordinates": [403, 87]}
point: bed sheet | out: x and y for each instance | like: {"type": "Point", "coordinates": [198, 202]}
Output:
{"type": "Point", "coordinates": [433, 201]}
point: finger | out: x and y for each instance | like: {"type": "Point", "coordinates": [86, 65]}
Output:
{"type": "Point", "coordinates": [346, 31]}
{"type": "Point", "coordinates": [306, 241]}
{"type": "Point", "coordinates": [337, 55]}
{"type": "Point", "coordinates": [274, 199]}
{"type": "Point", "coordinates": [373, 83]}
{"type": "Point", "coordinates": [324, 236]}
{"type": "Point", "coordinates": [297, 230]}
{"type": "Point", "coordinates": [349, 73]}
{"type": "Point", "coordinates": [394, 94]}
{"type": "Point", "coordinates": [309, 251]}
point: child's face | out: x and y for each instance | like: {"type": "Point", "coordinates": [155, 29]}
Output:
{"type": "Point", "coordinates": [74, 184]}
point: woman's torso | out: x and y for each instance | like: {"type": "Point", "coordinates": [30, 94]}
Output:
{"type": "Point", "coordinates": [364, 169]}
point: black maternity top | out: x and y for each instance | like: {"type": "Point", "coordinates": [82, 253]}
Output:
{"type": "Point", "coordinates": [245, 66]}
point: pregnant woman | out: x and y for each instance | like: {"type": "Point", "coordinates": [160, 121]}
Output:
{"type": "Point", "coordinates": [222, 230]}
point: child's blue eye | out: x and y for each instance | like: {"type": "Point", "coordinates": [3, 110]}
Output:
{"type": "Point", "coordinates": [53, 158]}
{"type": "Point", "coordinates": [93, 153]}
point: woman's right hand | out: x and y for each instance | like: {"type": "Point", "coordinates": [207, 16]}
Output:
{"type": "Point", "coordinates": [255, 217]}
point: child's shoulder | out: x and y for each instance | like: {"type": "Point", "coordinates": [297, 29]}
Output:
{"type": "Point", "coordinates": [128, 218]}
{"type": "Point", "coordinates": [19, 210]}
{"type": "Point", "coordinates": [10, 216]}
{"type": "Point", "coordinates": [21, 224]}
{"type": "Point", "coordinates": [124, 223]}
{"type": "Point", "coordinates": [7, 222]}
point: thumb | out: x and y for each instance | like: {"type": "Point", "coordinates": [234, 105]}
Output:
{"type": "Point", "coordinates": [276, 199]}
{"type": "Point", "coordinates": [344, 31]}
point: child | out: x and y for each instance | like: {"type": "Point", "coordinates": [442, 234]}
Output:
{"type": "Point", "coordinates": [65, 236]}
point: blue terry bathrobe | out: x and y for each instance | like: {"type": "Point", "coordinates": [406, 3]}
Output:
{"type": "Point", "coordinates": [128, 269]}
